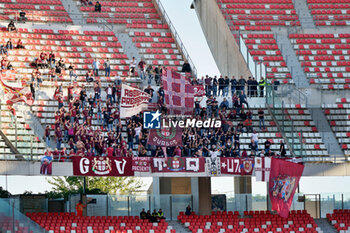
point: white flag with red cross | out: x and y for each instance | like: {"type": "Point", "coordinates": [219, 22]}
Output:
{"type": "Point", "coordinates": [262, 168]}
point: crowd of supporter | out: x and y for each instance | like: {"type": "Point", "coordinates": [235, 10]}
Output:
{"type": "Point", "coordinates": [87, 125]}
{"type": "Point", "coordinates": [73, 126]}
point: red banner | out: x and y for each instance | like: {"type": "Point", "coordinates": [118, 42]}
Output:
{"type": "Point", "coordinates": [284, 179]}
{"type": "Point", "coordinates": [165, 137]}
{"type": "Point", "coordinates": [141, 164]}
{"type": "Point", "coordinates": [178, 164]}
{"type": "Point", "coordinates": [199, 90]}
{"type": "Point", "coordinates": [102, 166]}
{"type": "Point", "coordinates": [236, 166]}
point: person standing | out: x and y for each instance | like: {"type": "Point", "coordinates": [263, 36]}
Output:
{"type": "Point", "coordinates": [221, 85]}
{"type": "Point", "coordinates": [243, 99]}
{"type": "Point", "coordinates": [233, 82]}
{"type": "Point", "coordinates": [132, 66]}
{"type": "Point", "coordinates": [261, 119]}
{"type": "Point", "coordinates": [249, 85]}
{"type": "Point", "coordinates": [80, 208]}
{"type": "Point", "coordinates": [226, 85]}
{"type": "Point", "coordinates": [262, 84]}
{"type": "Point", "coordinates": [207, 82]}
{"type": "Point", "coordinates": [107, 66]}
{"type": "Point", "coordinates": [95, 66]}
{"type": "Point", "coordinates": [215, 86]}
{"type": "Point", "coordinates": [142, 66]}
{"type": "Point", "coordinates": [254, 87]}
{"type": "Point", "coordinates": [241, 83]}
{"type": "Point", "coordinates": [282, 149]}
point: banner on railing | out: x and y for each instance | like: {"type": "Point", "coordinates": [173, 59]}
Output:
{"type": "Point", "coordinates": [199, 90]}
{"type": "Point", "coordinates": [141, 164]}
{"type": "Point", "coordinates": [46, 165]}
{"type": "Point", "coordinates": [178, 164]}
{"type": "Point", "coordinates": [102, 166]}
{"type": "Point", "coordinates": [236, 166]}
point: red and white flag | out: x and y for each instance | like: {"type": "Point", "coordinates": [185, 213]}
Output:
{"type": "Point", "coordinates": [262, 168]}
{"type": "Point", "coordinates": [179, 93]}
{"type": "Point", "coordinates": [16, 94]}
{"type": "Point", "coordinates": [284, 180]}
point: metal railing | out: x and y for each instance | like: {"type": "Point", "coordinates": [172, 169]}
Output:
{"type": "Point", "coordinates": [276, 105]}
{"type": "Point", "coordinates": [177, 37]}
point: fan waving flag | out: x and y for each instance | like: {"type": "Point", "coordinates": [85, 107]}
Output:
{"type": "Point", "coordinates": [179, 93]}
{"type": "Point", "coordinates": [284, 179]}
{"type": "Point", "coordinates": [133, 101]}
{"type": "Point", "coordinates": [14, 94]}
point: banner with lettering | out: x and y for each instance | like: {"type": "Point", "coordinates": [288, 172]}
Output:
{"type": "Point", "coordinates": [199, 90]}
{"type": "Point", "coordinates": [237, 166]}
{"type": "Point", "coordinates": [141, 164]}
{"type": "Point", "coordinates": [102, 166]}
{"type": "Point", "coordinates": [171, 136]}
{"type": "Point", "coordinates": [178, 164]}
{"type": "Point", "coordinates": [133, 101]}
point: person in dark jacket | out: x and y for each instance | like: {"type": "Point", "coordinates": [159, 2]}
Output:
{"type": "Point", "coordinates": [98, 7]}
{"type": "Point", "coordinates": [282, 149]}
{"type": "Point", "coordinates": [186, 68]}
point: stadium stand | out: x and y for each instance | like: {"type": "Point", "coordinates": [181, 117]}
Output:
{"type": "Point", "coordinates": [300, 117]}
{"type": "Point", "coordinates": [330, 12]}
{"type": "Point", "coordinates": [338, 115]}
{"type": "Point", "coordinates": [38, 11]}
{"type": "Point", "coordinates": [143, 23]}
{"type": "Point", "coordinates": [324, 58]}
{"type": "Point", "coordinates": [340, 219]}
{"type": "Point", "coordinates": [251, 221]}
{"type": "Point", "coordinates": [259, 15]}
{"type": "Point", "coordinates": [69, 222]}
{"type": "Point", "coordinates": [264, 49]}
{"type": "Point", "coordinates": [252, 20]}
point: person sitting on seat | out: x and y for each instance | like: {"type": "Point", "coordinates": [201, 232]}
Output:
{"type": "Point", "coordinates": [161, 214]}
{"type": "Point", "coordinates": [89, 76]}
{"type": "Point", "coordinates": [154, 217]}
{"type": "Point", "coordinates": [98, 7]}
{"type": "Point", "coordinates": [143, 214]}
{"type": "Point", "coordinates": [19, 44]}
{"type": "Point", "coordinates": [148, 215]}
{"type": "Point", "coordinates": [22, 16]}
{"type": "Point", "coordinates": [11, 27]}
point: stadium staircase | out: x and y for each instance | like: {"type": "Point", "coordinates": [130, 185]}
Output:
{"type": "Point", "coordinates": [325, 226]}
{"type": "Point", "coordinates": [304, 13]}
{"type": "Point", "coordinates": [283, 42]}
{"type": "Point", "coordinates": [74, 12]}
{"type": "Point", "coordinates": [178, 227]}
{"type": "Point", "coordinates": [328, 137]}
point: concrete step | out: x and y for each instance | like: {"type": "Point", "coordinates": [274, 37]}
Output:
{"type": "Point", "coordinates": [325, 226]}
{"type": "Point", "coordinates": [178, 227]}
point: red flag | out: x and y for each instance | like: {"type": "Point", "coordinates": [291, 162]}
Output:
{"type": "Point", "coordinates": [16, 94]}
{"type": "Point", "coordinates": [284, 179]}
{"type": "Point", "coordinates": [179, 93]}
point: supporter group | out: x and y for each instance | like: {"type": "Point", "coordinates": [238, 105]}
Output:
{"type": "Point", "coordinates": [87, 120]}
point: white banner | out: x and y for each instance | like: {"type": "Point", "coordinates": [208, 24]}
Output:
{"type": "Point", "coordinates": [262, 168]}
{"type": "Point", "coordinates": [132, 101]}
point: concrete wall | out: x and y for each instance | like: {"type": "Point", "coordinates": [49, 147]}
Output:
{"type": "Point", "coordinates": [204, 191]}
{"type": "Point", "coordinates": [220, 39]}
